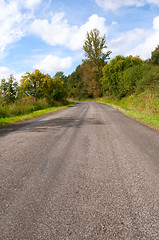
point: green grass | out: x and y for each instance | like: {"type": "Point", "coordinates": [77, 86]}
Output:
{"type": "Point", "coordinates": [147, 115]}
{"type": "Point", "coordinates": [10, 120]}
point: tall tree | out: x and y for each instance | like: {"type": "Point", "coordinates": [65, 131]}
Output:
{"type": "Point", "coordinates": [94, 46]}
{"type": "Point", "coordinates": [96, 58]}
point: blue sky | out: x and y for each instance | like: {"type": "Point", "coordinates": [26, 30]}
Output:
{"type": "Point", "coordinates": [49, 34]}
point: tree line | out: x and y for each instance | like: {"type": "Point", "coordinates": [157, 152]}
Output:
{"type": "Point", "coordinates": [36, 91]}
{"type": "Point", "coordinates": [35, 84]}
{"type": "Point", "coordinates": [97, 76]}
{"type": "Point", "coordinates": [119, 77]}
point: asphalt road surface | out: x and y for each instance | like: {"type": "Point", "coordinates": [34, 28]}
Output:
{"type": "Point", "coordinates": [86, 172]}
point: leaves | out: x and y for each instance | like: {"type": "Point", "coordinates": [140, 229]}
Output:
{"type": "Point", "coordinates": [40, 85]}
{"type": "Point", "coordinates": [96, 57]}
{"type": "Point", "coordinates": [9, 89]}
{"type": "Point", "coordinates": [155, 56]}
{"type": "Point", "coordinates": [94, 46]}
{"type": "Point", "coordinates": [113, 79]}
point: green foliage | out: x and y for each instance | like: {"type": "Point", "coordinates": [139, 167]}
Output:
{"type": "Point", "coordinates": [114, 80]}
{"type": "Point", "coordinates": [90, 77]}
{"type": "Point", "coordinates": [155, 56]}
{"type": "Point", "coordinates": [23, 106]}
{"type": "Point", "coordinates": [4, 111]}
{"type": "Point", "coordinates": [40, 85]}
{"type": "Point", "coordinates": [94, 46]}
{"type": "Point", "coordinates": [149, 80]}
{"type": "Point", "coordinates": [96, 57]}
{"type": "Point", "coordinates": [143, 107]}
{"type": "Point", "coordinates": [129, 79]}
{"type": "Point", "coordinates": [31, 83]}
{"type": "Point", "coordinates": [75, 86]}
{"type": "Point", "coordinates": [54, 89]}
{"type": "Point", "coordinates": [60, 76]}
{"type": "Point", "coordinates": [37, 91]}
{"type": "Point", "coordinates": [9, 90]}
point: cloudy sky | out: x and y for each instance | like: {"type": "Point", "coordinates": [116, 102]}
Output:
{"type": "Point", "coordinates": [49, 34]}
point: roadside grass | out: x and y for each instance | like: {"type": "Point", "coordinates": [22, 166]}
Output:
{"type": "Point", "coordinates": [11, 120]}
{"type": "Point", "coordinates": [143, 110]}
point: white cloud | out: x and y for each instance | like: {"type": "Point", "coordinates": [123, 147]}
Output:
{"type": "Point", "coordinates": [115, 4]}
{"type": "Point", "coordinates": [156, 23]}
{"type": "Point", "coordinates": [4, 72]}
{"type": "Point", "coordinates": [57, 31]}
{"type": "Point", "coordinates": [18, 76]}
{"type": "Point", "coordinates": [30, 3]}
{"type": "Point", "coordinates": [14, 17]}
{"type": "Point", "coordinates": [150, 42]}
{"type": "Point", "coordinates": [78, 35]}
{"type": "Point", "coordinates": [137, 41]}
{"type": "Point", "coordinates": [53, 63]}
{"type": "Point", "coordinates": [10, 19]}
{"type": "Point", "coordinates": [127, 40]}
{"type": "Point", "coordinates": [156, 2]}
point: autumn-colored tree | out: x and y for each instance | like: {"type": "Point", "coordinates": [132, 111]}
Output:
{"type": "Point", "coordinates": [31, 83]}
{"type": "Point", "coordinates": [40, 85]}
{"type": "Point", "coordinates": [96, 58]}
{"type": "Point", "coordinates": [90, 76]}
{"type": "Point", "coordinates": [53, 88]}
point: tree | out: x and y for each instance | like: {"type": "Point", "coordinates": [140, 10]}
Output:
{"type": "Point", "coordinates": [113, 79]}
{"type": "Point", "coordinates": [40, 85]}
{"type": "Point", "coordinates": [96, 58]}
{"type": "Point", "coordinates": [94, 46]}
{"type": "Point", "coordinates": [9, 89]}
{"type": "Point", "coordinates": [90, 76]}
{"type": "Point", "coordinates": [54, 89]}
{"type": "Point", "coordinates": [75, 86]}
{"type": "Point", "coordinates": [60, 75]}
{"type": "Point", "coordinates": [155, 56]}
{"type": "Point", "coordinates": [31, 83]}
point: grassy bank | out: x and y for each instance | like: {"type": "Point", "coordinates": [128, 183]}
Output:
{"type": "Point", "coordinates": [15, 119]}
{"type": "Point", "coordinates": [144, 107]}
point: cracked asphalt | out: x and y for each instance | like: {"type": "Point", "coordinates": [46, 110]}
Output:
{"type": "Point", "coordinates": [86, 172]}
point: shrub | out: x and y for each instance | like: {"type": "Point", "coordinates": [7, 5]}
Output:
{"type": "Point", "coordinates": [113, 73]}
{"type": "Point", "coordinates": [4, 112]}
{"type": "Point", "coordinates": [150, 80]}
{"type": "Point", "coordinates": [129, 79]}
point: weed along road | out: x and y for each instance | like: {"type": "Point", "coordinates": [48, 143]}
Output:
{"type": "Point", "coordinates": [86, 172]}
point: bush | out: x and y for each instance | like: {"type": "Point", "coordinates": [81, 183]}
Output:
{"type": "Point", "coordinates": [129, 79]}
{"type": "Point", "coordinates": [150, 80]}
{"type": "Point", "coordinates": [113, 74]}
{"type": "Point", "coordinates": [4, 112]}
{"type": "Point", "coordinates": [41, 104]}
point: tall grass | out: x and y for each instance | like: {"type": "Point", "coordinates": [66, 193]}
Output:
{"type": "Point", "coordinates": [23, 106]}
{"type": "Point", "coordinates": [143, 107]}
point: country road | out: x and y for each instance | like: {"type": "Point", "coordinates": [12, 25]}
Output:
{"type": "Point", "coordinates": [86, 172]}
